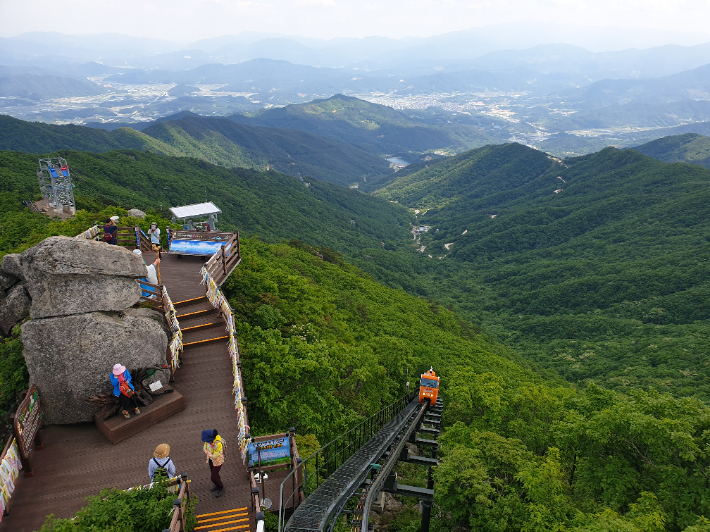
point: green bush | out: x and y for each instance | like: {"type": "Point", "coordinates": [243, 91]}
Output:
{"type": "Point", "coordinates": [114, 510]}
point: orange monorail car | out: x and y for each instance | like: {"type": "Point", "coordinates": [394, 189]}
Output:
{"type": "Point", "coordinates": [429, 387]}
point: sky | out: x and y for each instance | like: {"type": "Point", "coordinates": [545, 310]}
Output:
{"type": "Point", "coordinates": [186, 21]}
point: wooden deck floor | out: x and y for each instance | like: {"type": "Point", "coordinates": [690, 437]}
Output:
{"type": "Point", "coordinates": [78, 461]}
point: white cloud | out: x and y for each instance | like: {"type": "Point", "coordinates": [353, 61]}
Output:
{"type": "Point", "coordinates": [190, 20]}
{"type": "Point", "coordinates": [308, 3]}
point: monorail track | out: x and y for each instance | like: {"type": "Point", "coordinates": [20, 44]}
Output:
{"type": "Point", "coordinates": [320, 510]}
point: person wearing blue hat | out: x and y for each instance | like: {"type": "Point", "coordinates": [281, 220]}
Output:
{"type": "Point", "coordinates": [214, 448]}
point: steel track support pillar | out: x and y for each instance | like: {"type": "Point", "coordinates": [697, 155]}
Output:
{"type": "Point", "coordinates": [427, 504]}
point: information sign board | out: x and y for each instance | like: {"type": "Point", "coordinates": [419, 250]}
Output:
{"type": "Point", "coordinates": [26, 423]}
{"type": "Point", "coordinates": [272, 452]}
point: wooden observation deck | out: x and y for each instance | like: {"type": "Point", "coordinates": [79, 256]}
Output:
{"type": "Point", "coordinates": [78, 461]}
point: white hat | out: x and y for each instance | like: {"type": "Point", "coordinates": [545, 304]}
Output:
{"type": "Point", "coordinates": [114, 218]}
{"type": "Point", "coordinates": [138, 252]}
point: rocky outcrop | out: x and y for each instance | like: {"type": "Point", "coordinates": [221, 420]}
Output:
{"type": "Point", "coordinates": [14, 308]}
{"type": "Point", "coordinates": [66, 276]}
{"type": "Point", "coordinates": [136, 213]}
{"type": "Point", "coordinates": [7, 281]}
{"type": "Point", "coordinates": [70, 358]}
{"type": "Point", "coordinates": [79, 294]}
{"type": "Point", "coordinates": [11, 266]}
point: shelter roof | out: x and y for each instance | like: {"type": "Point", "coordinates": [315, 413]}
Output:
{"type": "Point", "coordinates": [195, 210]}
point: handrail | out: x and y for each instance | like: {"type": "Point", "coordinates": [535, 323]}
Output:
{"type": "Point", "coordinates": [92, 233]}
{"type": "Point", "coordinates": [14, 463]}
{"type": "Point", "coordinates": [179, 520]}
{"type": "Point", "coordinates": [305, 475]}
{"type": "Point", "coordinates": [228, 257]}
{"type": "Point", "coordinates": [218, 301]}
{"type": "Point", "coordinates": [176, 341]}
{"type": "Point", "coordinates": [159, 299]}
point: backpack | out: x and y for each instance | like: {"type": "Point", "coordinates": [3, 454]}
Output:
{"type": "Point", "coordinates": [162, 467]}
{"type": "Point", "coordinates": [108, 237]}
{"type": "Point", "coordinates": [126, 389]}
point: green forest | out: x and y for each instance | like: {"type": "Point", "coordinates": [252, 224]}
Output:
{"type": "Point", "coordinates": [604, 281]}
{"type": "Point", "coordinates": [218, 141]}
{"type": "Point", "coordinates": [570, 328]}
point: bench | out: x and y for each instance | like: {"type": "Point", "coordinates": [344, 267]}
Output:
{"type": "Point", "coordinates": [118, 428]}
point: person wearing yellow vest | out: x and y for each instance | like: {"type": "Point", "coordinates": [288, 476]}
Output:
{"type": "Point", "coordinates": [214, 449]}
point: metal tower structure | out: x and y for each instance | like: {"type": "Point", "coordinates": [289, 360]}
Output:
{"type": "Point", "coordinates": [55, 184]}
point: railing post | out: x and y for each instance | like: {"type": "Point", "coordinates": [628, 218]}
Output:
{"type": "Point", "coordinates": [224, 261]}
{"type": "Point", "coordinates": [177, 505]}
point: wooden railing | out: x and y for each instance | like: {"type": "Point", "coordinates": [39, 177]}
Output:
{"type": "Point", "coordinates": [218, 301]}
{"type": "Point", "coordinates": [11, 444]}
{"type": "Point", "coordinates": [179, 520]}
{"type": "Point", "coordinates": [92, 233]}
{"type": "Point", "coordinates": [131, 237]}
{"type": "Point", "coordinates": [221, 264]}
{"type": "Point", "coordinates": [158, 298]}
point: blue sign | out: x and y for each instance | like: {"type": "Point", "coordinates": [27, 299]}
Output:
{"type": "Point", "coordinates": [195, 247]}
{"type": "Point", "coordinates": [272, 452]}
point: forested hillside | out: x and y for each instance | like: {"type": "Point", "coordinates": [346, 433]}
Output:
{"type": "Point", "coordinates": [269, 204]}
{"type": "Point", "coordinates": [596, 267]}
{"type": "Point", "coordinates": [373, 127]}
{"type": "Point", "coordinates": [215, 140]}
{"type": "Point", "coordinates": [297, 153]}
{"type": "Point", "coordinates": [324, 344]}
{"type": "Point", "coordinates": [687, 148]}
{"type": "Point", "coordinates": [36, 137]}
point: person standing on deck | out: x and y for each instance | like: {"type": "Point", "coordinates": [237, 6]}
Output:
{"type": "Point", "coordinates": [111, 229]}
{"type": "Point", "coordinates": [154, 233]}
{"type": "Point", "coordinates": [161, 461]}
{"type": "Point", "coordinates": [214, 449]}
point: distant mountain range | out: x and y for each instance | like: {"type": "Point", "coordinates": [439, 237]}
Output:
{"type": "Point", "coordinates": [373, 127]}
{"type": "Point", "coordinates": [30, 84]}
{"type": "Point", "coordinates": [409, 56]}
{"type": "Point", "coordinates": [219, 141]}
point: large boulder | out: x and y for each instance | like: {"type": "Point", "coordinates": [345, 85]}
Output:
{"type": "Point", "coordinates": [66, 276]}
{"type": "Point", "coordinates": [70, 358]}
{"type": "Point", "coordinates": [136, 213]}
{"type": "Point", "coordinates": [14, 308]}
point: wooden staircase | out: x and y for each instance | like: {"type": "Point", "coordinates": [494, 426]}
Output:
{"type": "Point", "coordinates": [236, 519]}
{"type": "Point", "coordinates": [200, 322]}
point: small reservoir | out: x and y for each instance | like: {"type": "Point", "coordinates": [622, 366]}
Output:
{"type": "Point", "coordinates": [396, 161]}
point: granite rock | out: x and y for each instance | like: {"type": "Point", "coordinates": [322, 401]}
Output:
{"type": "Point", "coordinates": [70, 358]}
{"type": "Point", "coordinates": [14, 308]}
{"type": "Point", "coordinates": [7, 281]}
{"type": "Point", "coordinates": [66, 276]}
{"type": "Point", "coordinates": [11, 266]}
{"type": "Point", "coordinates": [136, 213]}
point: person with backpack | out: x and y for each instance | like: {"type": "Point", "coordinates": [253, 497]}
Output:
{"type": "Point", "coordinates": [123, 389]}
{"type": "Point", "coordinates": [161, 461]}
{"type": "Point", "coordinates": [214, 447]}
{"type": "Point", "coordinates": [154, 233]}
{"type": "Point", "coordinates": [111, 231]}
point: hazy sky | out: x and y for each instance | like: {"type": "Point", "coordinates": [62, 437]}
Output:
{"type": "Point", "coordinates": [188, 20]}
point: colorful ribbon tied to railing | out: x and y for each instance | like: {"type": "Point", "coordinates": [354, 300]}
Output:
{"type": "Point", "coordinates": [217, 299]}
{"type": "Point", "coordinates": [89, 234]}
{"type": "Point", "coordinates": [176, 342]}
{"type": "Point", "coordinates": [9, 471]}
